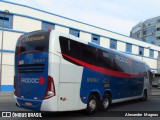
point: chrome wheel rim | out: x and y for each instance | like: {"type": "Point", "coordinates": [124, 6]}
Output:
{"type": "Point", "coordinates": [92, 105]}
{"type": "Point", "coordinates": [105, 102]}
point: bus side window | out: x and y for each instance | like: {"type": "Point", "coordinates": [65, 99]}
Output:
{"type": "Point", "coordinates": [88, 54]}
{"type": "Point", "coordinates": [69, 45]}
{"type": "Point", "coordinates": [75, 49]}
{"type": "Point", "coordinates": [70, 48]}
{"type": "Point", "coordinates": [129, 66]}
{"type": "Point", "coordinates": [137, 68]}
{"type": "Point", "coordinates": [143, 69]}
{"type": "Point", "coordinates": [104, 59]}
{"type": "Point", "coordinates": [147, 71]}
{"type": "Point", "coordinates": [118, 65]}
{"type": "Point", "coordinates": [64, 45]}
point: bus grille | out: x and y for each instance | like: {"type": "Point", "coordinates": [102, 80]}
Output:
{"type": "Point", "coordinates": [31, 68]}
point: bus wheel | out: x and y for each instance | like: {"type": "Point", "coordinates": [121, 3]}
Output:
{"type": "Point", "coordinates": [18, 105]}
{"type": "Point", "coordinates": [105, 103]}
{"type": "Point", "coordinates": [92, 104]}
{"type": "Point", "coordinates": [144, 98]}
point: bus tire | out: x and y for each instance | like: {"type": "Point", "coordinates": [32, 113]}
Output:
{"type": "Point", "coordinates": [92, 104]}
{"type": "Point", "coordinates": [105, 102]}
{"type": "Point", "coordinates": [144, 98]}
{"type": "Point", "coordinates": [18, 105]}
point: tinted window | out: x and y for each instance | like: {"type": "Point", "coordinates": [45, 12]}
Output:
{"type": "Point", "coordinates": [141, 51]}
{"type": "Point", "coordinates": [143, 68]}
{"type": "Point", "coordinates": [89, 54]}
{"type": "Point", "coordinates": [96, 39]}
{"type": "Point", "coordinates": [139, 68]}
{"type": "Point", "coordinates": [47, 26]}
{"type": "Point", "coordinates": [128, 48]}
{"type": "Point", "coordinates": [74, 32]}
{"type": "Point", "coordinates": [118, 65]}
{"type": "Point", "coordinates": [38, 40]}
{"type": "Point", "coordinates": [104, 59]}
{"type": "Point", "coordinates": [95, 56]}
{"type": "Point", "coordinates": [158, 53]}
{"type": "Point", "coordinates": [129, 66]}
{"type": "Point", "coordinates": [113, 44]}
{"type": "Point", "coordinates": [6, 21]}
{"type": "Point", "coordinates": [70, 48]}
{"type": "Point", "coordinates": [78, 50]}
{"type": "Point", "coordinates": [151, 53]}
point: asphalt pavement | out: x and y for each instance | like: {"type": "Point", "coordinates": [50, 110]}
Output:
{"type": "Point", "coordinates": [155, 91]}
{"type": "Point", "coordinates": [151, 105]}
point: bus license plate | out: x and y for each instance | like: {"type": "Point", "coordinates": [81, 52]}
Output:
{"type": "Point", "coordinates": [28, 104]}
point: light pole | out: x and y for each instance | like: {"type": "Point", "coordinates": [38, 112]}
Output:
{"type": "Point", "coordinates": [144, 51]}
{"type": "Point", "coordinates": [5, 12]}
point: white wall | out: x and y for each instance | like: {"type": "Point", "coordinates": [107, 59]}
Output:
{"type": "Point", "coordinates": [26, 24]}
{"type": "Point", "coordinates": [146, 52]}
{"type": "Point", "coordinates": [121, 46]}
{"type": "Point", "coordinates": [151, 62]}
{"type": "Point", "coordinates": [155, 54]}
{"type": "Point", "coordinates": [85, 36]}
{"type": "Point", "coordinates": [62, 29]}
{"type": "Point", "coordinates": [10, 40]}
{"type": "Point", "coordinates": [105, 42]}
{"type": "Point", "coordinates": [8, 58]}
{"type": "Point", "coordinates": [7, 75]}
{"type": "Point", "coordinates": [135, 49]}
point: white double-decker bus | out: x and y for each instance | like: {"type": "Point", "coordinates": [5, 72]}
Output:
{"type": "Point", "coordinates": [59, 72]}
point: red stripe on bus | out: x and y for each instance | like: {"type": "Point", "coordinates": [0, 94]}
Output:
{"type": "Point", "coordinates": [102, 70]}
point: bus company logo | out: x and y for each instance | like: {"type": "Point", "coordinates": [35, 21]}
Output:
{"type": "Point", "coordinates": [21, 62]}
{"type": "Point", "coordinates": [124, 60]}
{"type": "Point", "coordinates": [35, 38]}
{"type": "Point", "coordinates": [33, 80]}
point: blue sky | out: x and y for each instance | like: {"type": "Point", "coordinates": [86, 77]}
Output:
{"type": "Point", "coordinates": [115, 15]}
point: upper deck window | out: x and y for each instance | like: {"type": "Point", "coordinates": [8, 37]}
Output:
{"type": "Point", "coordinates": [6, 21]}
{"type": "Point", "coordinates": [74, 32]}
{"type": "Point", "coordinates": [47, 26]}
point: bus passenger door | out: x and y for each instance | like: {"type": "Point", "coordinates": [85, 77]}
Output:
{"type": "Point", "coordinates": [69, 86]}
{"type": "Point", "coordinates": [70, 75]}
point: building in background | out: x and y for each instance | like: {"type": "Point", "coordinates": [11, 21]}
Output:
{"type": "Point", "coordinates": [22, 19]}
{"type": "Point", "coordinates": [148, 31]}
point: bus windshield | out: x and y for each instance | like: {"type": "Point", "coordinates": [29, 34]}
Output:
{"type": "Point", "coordinates": [35, 41]}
